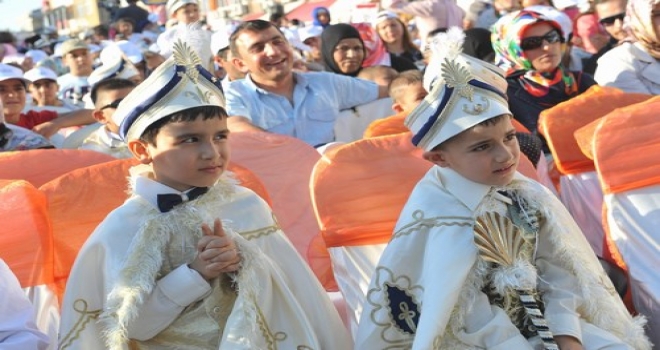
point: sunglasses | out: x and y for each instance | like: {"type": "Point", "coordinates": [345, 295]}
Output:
{"type": "Point", "coordinates": [114, 104]}
{"type": "Point", "coordinates": [534, 42]}
{"type": "Point", "coordinates": [608, 21]}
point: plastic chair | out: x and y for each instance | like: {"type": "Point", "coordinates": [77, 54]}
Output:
{"type": "Point", "coordinates": [580, 187]}
{"type": "Point", "coordinates": [625, 150]}
{"type": "Point", "coordinates": [26, 245]}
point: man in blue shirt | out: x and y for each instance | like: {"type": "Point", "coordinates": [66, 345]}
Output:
{"type": "Point", "coordinates": [274, 98]}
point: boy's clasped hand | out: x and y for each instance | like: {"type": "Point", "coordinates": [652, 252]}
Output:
{"type": "Point", "coordinates": [216, 253]}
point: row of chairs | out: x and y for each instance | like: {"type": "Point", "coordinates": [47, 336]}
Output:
{"type": "Point", "coordinates": [606, 145]}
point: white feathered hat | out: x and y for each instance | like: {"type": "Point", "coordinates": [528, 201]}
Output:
{"type": "Point", "coordinates": [180, 83]}
{"type": "Point", "coordinates": [463, 92]}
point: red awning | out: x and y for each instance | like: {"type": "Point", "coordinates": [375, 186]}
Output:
{"type": "Point", "coordinates": [304, 11]}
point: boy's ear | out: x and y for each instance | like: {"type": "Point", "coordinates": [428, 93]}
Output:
{"type": "Point", "coordinates": [98, 115]}
{"type": "Point", "coordinates": [437, 157]}
{"type": "Point", "coordinates": [396, 107]}
{"type": "Point", "coordinates": [140, 151]}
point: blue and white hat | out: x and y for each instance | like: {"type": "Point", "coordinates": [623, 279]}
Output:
{"type": "Point", "coordinates": [463, 92]}
{"type": "Point", "coordinates": [117, 67]}
{"type": "Point", "coordinates": [180, 83]}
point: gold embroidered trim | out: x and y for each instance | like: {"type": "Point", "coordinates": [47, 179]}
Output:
{"type": "Point", "coordinates": [271, 339]}
{"type": "Point", "coordinates": [80, 306]}
{"type": "Point", "coordinates": [420, 223]}
{"type": "Point", "coordinates": [263, 231]}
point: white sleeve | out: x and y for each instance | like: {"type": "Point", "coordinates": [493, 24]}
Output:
{"type": "Point", "coordinates": [617, 69]}
{"type": "Point", "coordinates": [489, 327]}
{"type": "Point", "coordinates": [170, 296]}
{"type": "Point", "coordinates": [18, 330]}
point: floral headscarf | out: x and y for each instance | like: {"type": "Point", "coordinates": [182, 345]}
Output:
{"type": "Point", "coordinates": [640, 22]}
{"type": "Point", "coordinates": [506, 37]}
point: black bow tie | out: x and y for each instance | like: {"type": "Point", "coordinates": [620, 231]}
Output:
{"type": "Point", "coordinates": [167, 202]}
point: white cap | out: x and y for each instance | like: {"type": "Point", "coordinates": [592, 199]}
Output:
{"type": "Point", "coordinates": [173, 5]}
{"type": "Point", "coordinates": [127, 48]}
{"type": "Point", "coordinates": [309, 32]}
{"type": "Point", "coordinates": [219, 41]}
{"type": "Point", "coordinates": [36, 55]}
{"type": "Point", "coordinates": [180, 83]}
{"type": "Point", "coordinates": [384, 15]}
{"type": "Point", "coordinates": [40, 73]}
{"type": "Point", "coordinates": [10, 72]}
{"type": "Point", "coordinates": [294, 40]}
{"type": "Point", "coordinates": [463, 92]}
{"type": "Point", "coordinates": [116, 67]}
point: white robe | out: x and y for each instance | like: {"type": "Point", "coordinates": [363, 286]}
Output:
{"type": "Point", "coordinates": [18, 330]}
{"type": "Point", "coordinates": [426, 292]}
{"type": "Point", "coordinates": [120, 291]}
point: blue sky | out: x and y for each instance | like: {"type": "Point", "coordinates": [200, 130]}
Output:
{"type": "Point", "coordinates": [13, 12]}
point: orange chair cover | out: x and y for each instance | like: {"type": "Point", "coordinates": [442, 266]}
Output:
{"type": "Point", "coordinates": [584, 137]}
{"type": "Point", "coordinates": [559, 123]}
{"type": "Point", "coordinates": [360, 189]}
{"type": "Point", "coordinates": [284, 164]}
{"type": "Point", "coordinates": [626, 148]}
{"type": "Point", "coordinates": [42, 165]}
{"type": "Point", "coordinates": [250, 180]}
{"type": "Point", "coordinates": [387, 126]}
{"type": "Point", "coordinates": [26, 243]}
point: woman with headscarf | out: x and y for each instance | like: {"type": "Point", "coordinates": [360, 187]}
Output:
{"type": "Point", "coordinates": [394, 34]}
{"type": "Point", "coordinates": [633, 66]}
{"type": "Point", "coordinates": [321, 17]}
{"type": "Point", "coordinates": [530, 47]}
{"type": "Point", "coordinates": [346, 49]}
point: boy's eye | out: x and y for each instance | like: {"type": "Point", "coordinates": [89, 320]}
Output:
{"type": "Point", "coordinates": [222, 136]}
{"type": "Point", "coordinates": [510, 137]}
{"type": "Point", "coordinates": [482, 147]}
{"type": "Point", "coordinates": [189, 140]}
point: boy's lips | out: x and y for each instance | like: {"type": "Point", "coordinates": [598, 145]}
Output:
{"type": "Point", "coordinates": [212, 169]}
{"type": "Point", "coordinates": [505, 169]}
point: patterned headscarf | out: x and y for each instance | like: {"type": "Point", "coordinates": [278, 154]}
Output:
{"type": "Point", "coordinates": [377, 54]}
{"type": "Point", "coordinates": [640, 22]}
{"type": "Point", "coordinates": [506, 37]}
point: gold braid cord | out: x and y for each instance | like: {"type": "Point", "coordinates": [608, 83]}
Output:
{"type": "Point", "coordinates": [501, 242]}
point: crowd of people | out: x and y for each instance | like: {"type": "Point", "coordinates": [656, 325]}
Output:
{"type": "Point", "coordinates": [192, 260]}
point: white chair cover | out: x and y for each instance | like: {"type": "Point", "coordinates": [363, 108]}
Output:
{"type": "Point", "coordinates": [633, 219]}
{"type": "Point", "coordinates": [351, 123]}
{"type": "Point", "coordinates": [583, 197]}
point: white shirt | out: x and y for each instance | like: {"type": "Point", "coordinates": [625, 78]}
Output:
{"type": "Point", "coordinates": [630, 68]}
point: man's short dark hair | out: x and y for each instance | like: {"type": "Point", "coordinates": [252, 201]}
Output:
{"type": "Point", "coordinates": [255, 26]}
{"type": "Point", "coordinates": [126, 20]}
{"type": "Point", "coordinates": [111, 84]}
{"type": "Point", "coordinates": [101, 30]}
{"type": "Point", "coordinates": [187, 115]}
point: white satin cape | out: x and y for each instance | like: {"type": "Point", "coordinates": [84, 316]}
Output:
{"type": "Point", "coordinates": [432, 258]}
{"type": "Point", "coordinates": [280, 303]}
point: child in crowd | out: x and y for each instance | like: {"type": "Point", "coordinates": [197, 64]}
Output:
{"type": "Point", "coordinates": [12, 93]}
{"type": "Point", "coordinates": [74, 85]}
{"type": "Point", "coordinates": [407, 91]}
{"type": "Point", "coordinates": [184, 12]}
{"type": "Point", "coordinates": [381, 75]}
{"type": "Point", "coordinates": [191, 260]}
{"type": "Point", "coordinates": [44, 90]}
{"type": "Point", "coordinates": [483, 257]}
{"type": "Point", "coordinates": [106, 96]}
{"type": "Point", "coordinates": [15, 138]}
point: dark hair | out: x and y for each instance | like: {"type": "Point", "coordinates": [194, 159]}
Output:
{"type": "Point", "coordinates": [109, 85]}
{"type": "Point", "coordinates": [255, 26]}
{"type": "Point", "coordinates": [274, 17]}
{"type": "Point", "coordinates": [296, 22]}
{"type": "Point", "coordinates": [187, 115]}
{"type": "Point", "coordinates": [101, 30]}
{"type": "Point", "coordinates": [126, 20]}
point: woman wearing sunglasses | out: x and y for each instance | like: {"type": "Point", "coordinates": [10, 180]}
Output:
{"type": "Point", "coordinates": [633, 66]}
{"type": "Point", "coordinates": [530, 47]}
